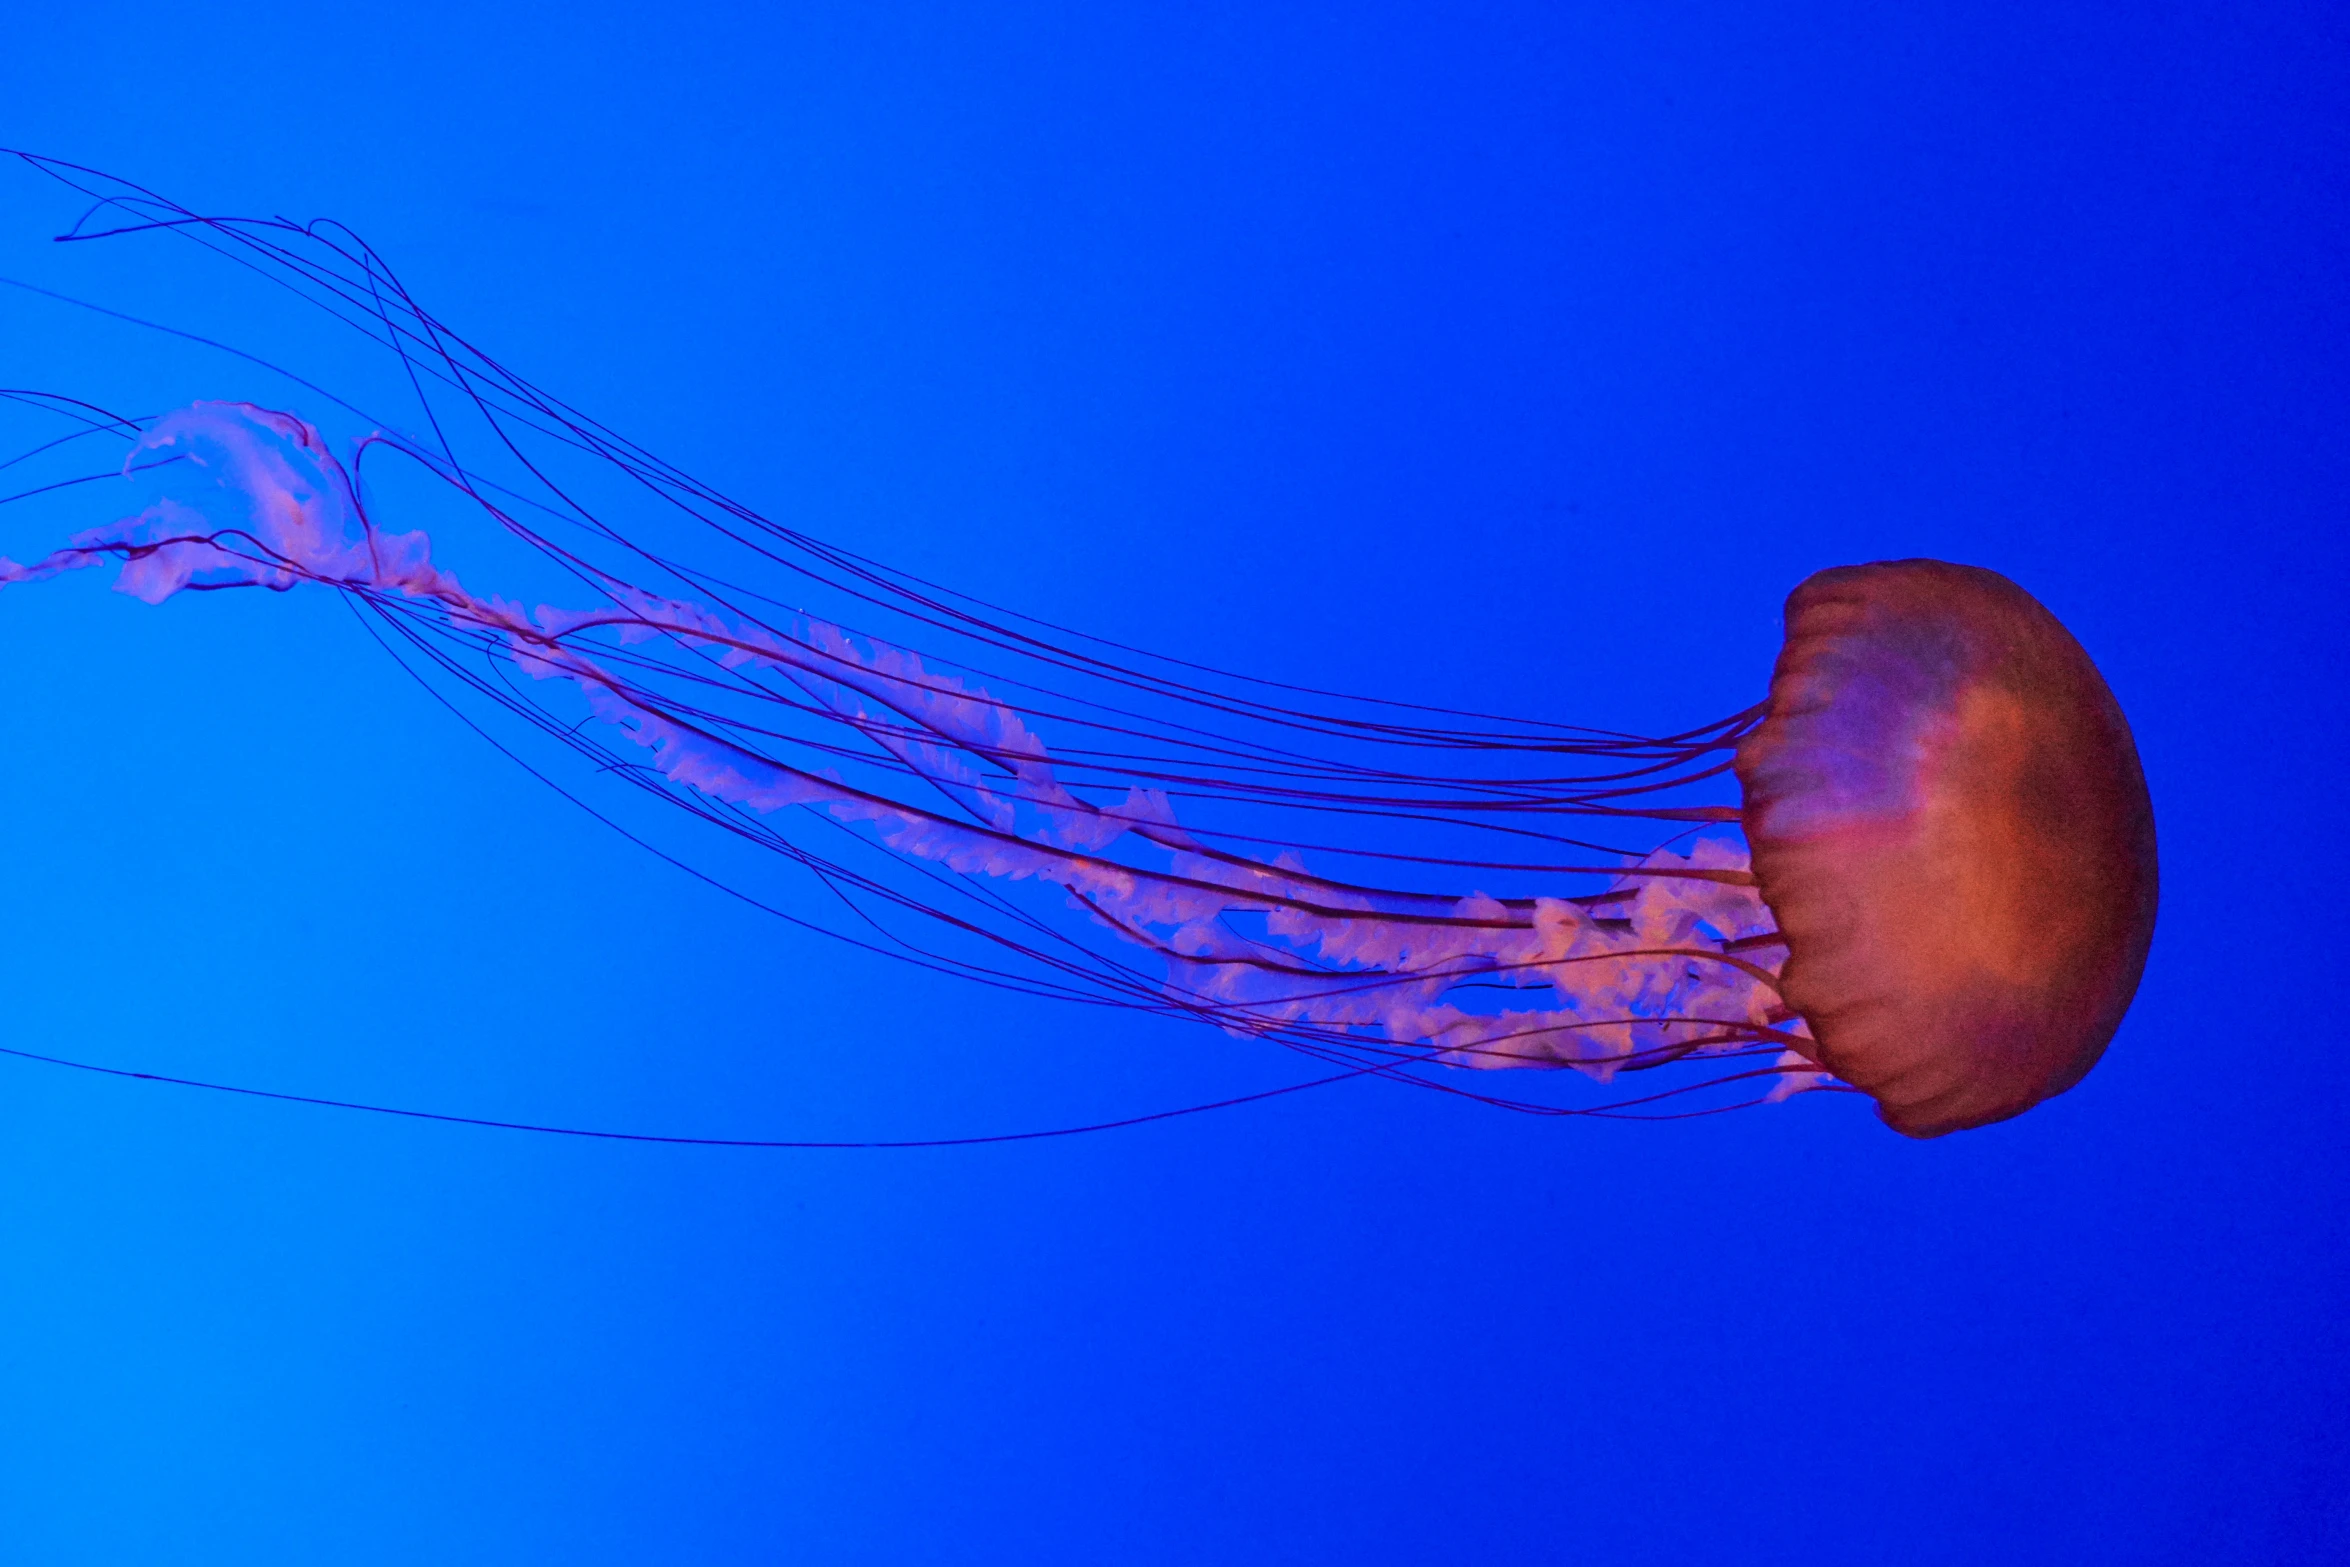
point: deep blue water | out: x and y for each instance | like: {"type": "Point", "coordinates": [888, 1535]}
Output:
{"type": "Point", "coordinates": [1513, 357]}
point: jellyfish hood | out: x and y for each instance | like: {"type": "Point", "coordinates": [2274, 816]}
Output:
{"type": "Point", "coordinates": [1949, 821]}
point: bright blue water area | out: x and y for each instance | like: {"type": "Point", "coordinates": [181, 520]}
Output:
{"type": "Point", "coordinates": [1516, 358]}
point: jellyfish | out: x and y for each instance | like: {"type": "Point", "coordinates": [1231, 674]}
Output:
{"type": "Point", "coordinates": [1936, 887]}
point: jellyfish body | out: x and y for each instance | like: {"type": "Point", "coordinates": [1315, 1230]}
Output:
{"type": "Point", "coordinates": [1951, 886]}
{"type": "Point", "coordinates": [1949, 899]}
{"type": "Point", "coordinates": [1948, 819]}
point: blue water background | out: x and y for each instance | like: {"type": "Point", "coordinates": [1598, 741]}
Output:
{"type": "Point", "coordinates": [1517, 357]}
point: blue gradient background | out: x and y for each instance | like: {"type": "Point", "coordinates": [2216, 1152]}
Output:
{"type": "Point", "coordinates": [1509, 356]}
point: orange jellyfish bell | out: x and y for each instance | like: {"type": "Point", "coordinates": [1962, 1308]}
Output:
{"type": "Point", "coordinates": [1948, 818]}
